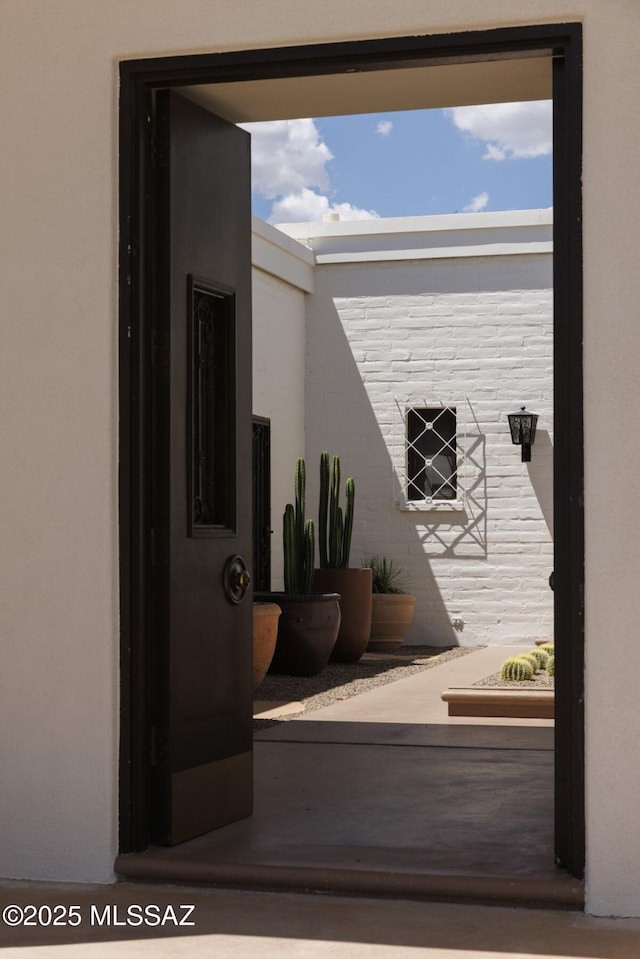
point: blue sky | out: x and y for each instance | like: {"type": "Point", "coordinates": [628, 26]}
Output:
{"type": "Point", "coordinates": [468, 159]}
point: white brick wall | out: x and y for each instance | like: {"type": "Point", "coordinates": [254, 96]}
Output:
{"type": "Point", "coordinates": [477, 332]}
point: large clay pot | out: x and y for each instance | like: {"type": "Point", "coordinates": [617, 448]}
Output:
{"type": "Point", "coordinates": [265, 634]}
{"type": "Point", "coordinates": [391, 618]}
{"type": "Point", "coordinates": [354, 586]}
{"type": "Point", "coordinates": [307, 631]}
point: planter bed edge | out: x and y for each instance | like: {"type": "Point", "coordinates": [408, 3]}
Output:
{"type": "Point", "coordinates": [500, 701]}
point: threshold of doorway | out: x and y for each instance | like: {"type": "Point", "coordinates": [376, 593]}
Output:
{"type": "Point", "coordinates": [385, 796]}
{"type": "Point", "coordinates": [561, 892]}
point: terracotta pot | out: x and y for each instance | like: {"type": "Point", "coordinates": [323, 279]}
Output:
{"type": "Point", "coordinates": [391, 618]}
{"type": "Point", "coordinates": [354, 586]}
{"type": "Point", "coordinates": [307, 631]}
{"type": "Point", "coordinates": [265, 634]}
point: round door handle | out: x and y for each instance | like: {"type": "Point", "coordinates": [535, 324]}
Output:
{"type": "Point", "coordinates": [236, 579]}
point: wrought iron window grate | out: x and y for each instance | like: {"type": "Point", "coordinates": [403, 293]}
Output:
{"type": "Point", "coordinates": [428, 454]}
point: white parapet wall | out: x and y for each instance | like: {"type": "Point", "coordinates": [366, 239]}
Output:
{"type": "Point", "coordinates": [451, 311]}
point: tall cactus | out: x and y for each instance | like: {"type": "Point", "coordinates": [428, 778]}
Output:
{"type": "Point", "coordinates": [334, 527]}
{"type": "Point", "coordinates": [322, 511]}
{"type": "Point", "coordinates": [298, 540]}
{"type": "Point", "coordinates": [350, 499]}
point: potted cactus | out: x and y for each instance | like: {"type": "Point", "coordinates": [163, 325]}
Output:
{"type": "Point", "coordinates": [393, 605]}
{"type": "Point", "coordinates": [335, 527]}
{"type": "Point", "coordinates": [308, 626]}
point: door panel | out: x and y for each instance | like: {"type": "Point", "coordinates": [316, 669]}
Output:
{"type": "Point", "coordinates": [201, 454]}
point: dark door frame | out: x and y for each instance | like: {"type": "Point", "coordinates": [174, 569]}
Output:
{"type": "Point", "coordinates": [138, 81]}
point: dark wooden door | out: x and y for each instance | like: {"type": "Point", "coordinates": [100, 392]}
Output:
{"type": "Point", "coordinates": [201, 457]}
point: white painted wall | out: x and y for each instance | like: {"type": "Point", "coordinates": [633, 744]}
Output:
{"type": "Point", "coordinates": [58, 396]}
{"type": "Point", "coordinates": [282, 277]}
{"type": "Point", "coordinates": [441, 311]}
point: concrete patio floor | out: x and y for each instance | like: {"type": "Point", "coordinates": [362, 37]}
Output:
{"type": "Point", "coordinates": [384, 794]}
{"type": "Point", "coordinates": [243, 925]}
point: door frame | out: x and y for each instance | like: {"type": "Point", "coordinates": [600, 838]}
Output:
{"type": "Point", "coordinates": [138, 80]}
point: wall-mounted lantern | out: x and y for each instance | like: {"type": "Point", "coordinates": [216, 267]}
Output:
{"type": "Point", "coordinates": [523, 431]}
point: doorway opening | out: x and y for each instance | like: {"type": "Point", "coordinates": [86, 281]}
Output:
{"type": "Point", "coordinates": [414, 348]}
{"type": "Point", "coordinates": [311, 69]}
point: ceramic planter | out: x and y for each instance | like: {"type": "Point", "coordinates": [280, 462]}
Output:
{"type": "Point", "coordinates": [391, 618]}
{"type": "Point", "coordinates": [354, 587]}
{"type": "Point", "coordinates": [265, 634]}
{"type": "Point", "coordinates": [307, 631]}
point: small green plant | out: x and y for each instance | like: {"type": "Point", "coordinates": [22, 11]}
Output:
{"type": "Point", "coordinates": [541, 656]}
{"type": "Point", "coordinates": [298, 540]}
{"type": "Point", "coordinates": [334, 527]}
{"type": "Point", "coordinates": [551, 666]}
{"type": "Point", "coordinates": [532, 660]}
{"type": "Point", "coordinates": [516, 668]}
{"type": "Point", "coordinates": [548, 648]}
{"type": "Point", "coordinates": [388, 576]}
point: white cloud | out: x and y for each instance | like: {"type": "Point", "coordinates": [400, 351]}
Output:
{"type": "Point", "coordinates": [309, 206]}
{"type": "Point", "coordinates": [478, 203]}
{"type": "Point", "coordinates": [384, 128]}
{"type": "Point", "coordinates": [287, 156]}
{"type": "Point", "coordinates": [510, 130]}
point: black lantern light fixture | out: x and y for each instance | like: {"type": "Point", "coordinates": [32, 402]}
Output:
{"type": "Point", "coordinates": [523, 431]}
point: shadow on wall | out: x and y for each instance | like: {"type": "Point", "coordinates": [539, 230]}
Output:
{"type": "Point", "coordinates": [343, 419]}
{"type": "Point", "coordinates": [540, 471]}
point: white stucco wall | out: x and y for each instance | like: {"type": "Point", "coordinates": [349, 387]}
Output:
{"type": "Point", "coordinates": [468, 325]}
{"type": "Point", "coordinates": [58, 395]}
{"type": "Point", "coordinates": [283, 275]}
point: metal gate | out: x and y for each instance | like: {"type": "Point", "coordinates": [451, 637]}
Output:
{"type": "Point", "coordinates": [261, 504]}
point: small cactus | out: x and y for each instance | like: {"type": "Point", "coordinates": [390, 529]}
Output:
{"type": "Point", "coordinates": [516, 668]}
{"type": "Point", "coordinates": [540, 655]}
{"type": "Point", "coordinates": [551, 666]}
{"type": "Point", "coordinates": [532, 660]}
{"type": "Point", "coordinates": [548, 648]}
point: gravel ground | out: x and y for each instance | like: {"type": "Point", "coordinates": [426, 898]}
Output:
{"type": "Point", "coordinates": [540, 681]}
{"type": "Point", "coordinates": [340, 681]}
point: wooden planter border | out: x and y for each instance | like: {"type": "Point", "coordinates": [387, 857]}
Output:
{"type": "Point", "coordinates": [503, 701]}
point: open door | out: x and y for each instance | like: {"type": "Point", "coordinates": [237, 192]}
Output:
{"type": "Point", "coordinates": [200, 472]}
